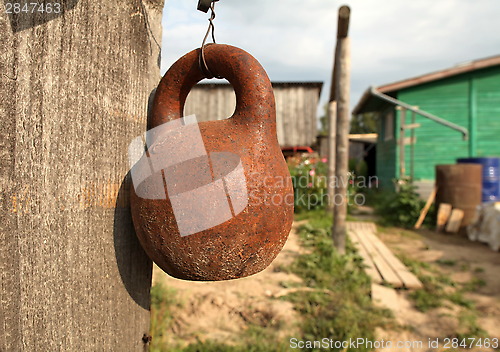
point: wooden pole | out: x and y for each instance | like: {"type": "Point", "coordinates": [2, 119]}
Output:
{"type": "Point", "coordinates": [343, 22]}
{"type": "Point", "coordinates": [412, 150]}
{"type": "Point", "coordinates": [74, 88]}
{"type": "Point", "coordinates": [402, 129]}
{"type": "Point", "coordinates": [332, 126]}
{"type": "Point", "coordinates": [342, 29]}
{"type": "Point", "coordinates": [332, 134]}
{"type": "Point", "coordinates": [342, 90]}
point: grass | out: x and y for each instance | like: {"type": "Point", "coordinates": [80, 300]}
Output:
{"type": "Point", "coordinates": [318, 218]}
{"type": "Point", "coordinates": [479, 270]}
{"type": "Point", "coordinates": [474, 284]}
{"type": "Point", "coordinates": [468, 326]}
{"type": "Point", "coordinates": [440, 290]}
{"type": "Point", "coordinates": [337, 303]}
{"type": "Point", "coordinates": [254, 339]}
{"type": "Point", "coordinates": [163, 301]}
{"type": "Point", "coordinates": [446, 262]}
{"type": "Point", "coordinates": [340, 308]}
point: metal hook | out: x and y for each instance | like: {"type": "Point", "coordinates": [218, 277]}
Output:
{"type": "Point", "coordinates": [204, 5]}
{"type": "Point", "coordinates": [202, 62]}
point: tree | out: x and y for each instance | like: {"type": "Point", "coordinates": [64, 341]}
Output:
{"type": "Point", "coordinates": [364, 123]}
{"type": "Point", "coordinates": [324, 123]}
{"type": "Point", "coordinates": [73, 94]}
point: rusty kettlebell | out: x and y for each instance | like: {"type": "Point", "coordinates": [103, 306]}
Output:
{"type": "Point", "coordinates": [245, 161]}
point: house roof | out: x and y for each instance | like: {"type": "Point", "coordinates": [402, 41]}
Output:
{"type": "Point", "coordinates": [367, 104]}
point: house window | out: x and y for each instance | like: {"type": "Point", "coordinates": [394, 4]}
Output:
{"type": "Point", "coordinates": [389, 125]}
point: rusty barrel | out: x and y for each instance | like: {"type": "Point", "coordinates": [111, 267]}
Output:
{"type": "Point", "coordinates": [461, 186]}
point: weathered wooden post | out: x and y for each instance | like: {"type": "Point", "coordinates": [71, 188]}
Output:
{"type": "Point", "coordinates": [342, 87]}
{"type": "Point", "coordinates": [402, 143]}
{"type": "Point", "coordinates": [332, 126]}
{"type": "Point", "coordinates": [75, 82]}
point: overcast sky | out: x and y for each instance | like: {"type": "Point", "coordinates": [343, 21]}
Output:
{"type": "Point", "coordinates": [294, 40]}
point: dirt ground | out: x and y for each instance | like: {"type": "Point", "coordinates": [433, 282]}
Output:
{"type": "Point", "coordinates": [222, 310]}
{"type": "Point", "coordinates": [469, 259]}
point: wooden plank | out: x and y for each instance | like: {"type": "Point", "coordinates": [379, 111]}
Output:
{"type": "Point", "coordinates": [443, 215]}
{"type": "Point", "coordinates": [412, 126]}
{"type": "Point", "coordinates": [409, 279]}
{"type": "Point", "coordinates": [402, 143]}
{"type": "Point", "coordinates": [371, 226]}
{"type": "Point", "coordinates": [412, 147]}
{"type": "Point", "coordinates": [426, 208]}
{"type": "Point", "coordinates": [386, 271]}
{"type": "Point", "coordinates": [360, 226]}
{"type": "Point", "coordinates": [367, 231]}
{"type": "Point", "coordinates": [280, 119]}
{"type": "Point", "coordinates": [370, 268]}
{"type": "Point", "coordinates": [455, 221]}
{"type": "Point", "coordinates": [385, 297]}
{"type": "Point", "coordinates": [410, 140]}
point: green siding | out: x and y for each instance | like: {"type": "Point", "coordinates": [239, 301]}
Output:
{"type": "Point", "coordinates": [471, 100]}
{"type": "Point", "coordinates": [487, 86]}
{"type": "Point", "coordinates": [437, 144]}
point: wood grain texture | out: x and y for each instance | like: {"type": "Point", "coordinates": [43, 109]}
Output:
{"type": "Point", "coordinates": [444, 212]}
{"type": "Point", "coordinates": [381, 264]}
{"type": "Point", "coordinates": [73, 93]}
{"type": "Point", "coordinates": [343, 85]}
{"type": "Point", "coordinates": [370, 267]}
{"type": "Point", "coordinates": [332, 145]}
{"type": "Point", "coordinates": [425, 209]}
{"type": "Point", "coordinates": [455, 221]}
{"type": "Point", "coordinates": [343, 22]}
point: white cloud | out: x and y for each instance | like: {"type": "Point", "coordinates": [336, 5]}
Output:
{"type": "Point", "coordinates": [294, 40]}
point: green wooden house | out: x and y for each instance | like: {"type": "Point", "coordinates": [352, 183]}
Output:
{"type": "Point", "coordinates": [435, 119]}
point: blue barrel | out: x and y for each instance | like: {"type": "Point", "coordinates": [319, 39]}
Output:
{"type": "Point", "coordinates": [491, 176]}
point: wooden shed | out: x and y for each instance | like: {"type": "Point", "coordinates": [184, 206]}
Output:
{"type": "Point", "coordinates": [296, 108]}
{"type": "Point", "coordinates": [435, 119]}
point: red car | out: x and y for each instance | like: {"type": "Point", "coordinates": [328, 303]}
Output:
{"type": "Point", "coordinates": [291, 151]}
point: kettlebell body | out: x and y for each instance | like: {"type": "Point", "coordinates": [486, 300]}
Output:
{"type": "Point", "coordinates": [249, 241]}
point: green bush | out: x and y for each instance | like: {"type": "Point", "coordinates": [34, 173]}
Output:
{"type": "Point", "coordinates": [359, 167]}
{"type": "Point", "coordinates": [309, 178]}
{"type": "Point", "coordinates": [401, 208]}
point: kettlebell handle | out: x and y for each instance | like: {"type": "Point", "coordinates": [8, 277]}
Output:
{"type": "Point", "coordinates": [254, 93]}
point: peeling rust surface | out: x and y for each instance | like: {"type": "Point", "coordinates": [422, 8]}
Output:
{"type": "Point", "coordinates": [248, 242]}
